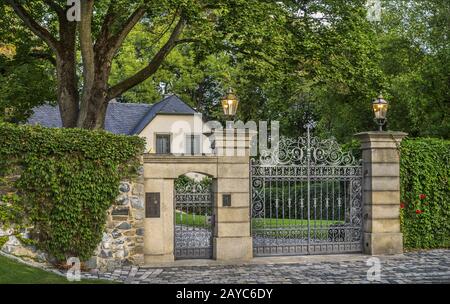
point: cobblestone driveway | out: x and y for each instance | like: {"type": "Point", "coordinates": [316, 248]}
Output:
{"type": "Point", "coordinates": [415, 267]}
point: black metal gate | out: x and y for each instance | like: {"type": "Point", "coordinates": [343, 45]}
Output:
{"type": "Point", "coordinates": [194, 220]}
{"type": "Point", "coordinates": [306, 199]}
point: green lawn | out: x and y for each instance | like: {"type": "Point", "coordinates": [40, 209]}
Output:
{"type": "Point", "coordinates": [273, 223]}
{"type": "Point", "coordinates": [12, 272]}
{"type": "Point", "coordinates": [187, 219]}
{"type": "Point", "coordinates": [270, 227]}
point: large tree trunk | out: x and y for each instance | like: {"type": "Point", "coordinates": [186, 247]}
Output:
{"type": "Point", "coordinates": [90, 111]}
{"type": "Point", "coordinates": [93, 114]}
{"type": "Point", "coordinates": [96, 70]}
{"type": "Point", "coordinates": [64, 48]}
{"type": "Point", "coordinates": [67, 94]}
{"type": "Point", "coordinates": [66, 72]}
{"type": "Point", "coordinates": [94, 102]}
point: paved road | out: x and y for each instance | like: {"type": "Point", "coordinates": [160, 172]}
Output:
{"type": "Point", "coordinates": [415, 267]}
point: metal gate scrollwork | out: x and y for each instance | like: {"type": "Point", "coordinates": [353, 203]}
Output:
{"type": "Point", "coordinates": [193, 220]}
{"type": "Point", "coordinates": [306, 198]}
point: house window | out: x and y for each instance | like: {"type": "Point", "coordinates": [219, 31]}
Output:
{"type": "Point", "coordinates": [192, 144]}
{"type": "Point", "coordinates": [162, 143]}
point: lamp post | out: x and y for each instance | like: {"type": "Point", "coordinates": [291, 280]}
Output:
{"type": "Point", "coordinates": [380, 107]}
{"type": "Point", "coordinates": [230, 103]}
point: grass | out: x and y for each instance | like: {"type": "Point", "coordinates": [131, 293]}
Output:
{"type": "Point", "coordinates": [293, 228]}
{"type": "Point", "coordinates": [13, 272]}
{"type": "Point", "coordinates": [276, 223]}
{"type": "Point", "coordinates": [296, 228]}
{"type": "Point", "coordinates": [271, 227]}
{"type": "Point", "coordinates": [188, 219]}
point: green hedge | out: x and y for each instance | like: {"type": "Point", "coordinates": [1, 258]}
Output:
{"type": "Point", "coordinates": [68, 179]}
{"type": "Point", "coordinates": [425, 193]}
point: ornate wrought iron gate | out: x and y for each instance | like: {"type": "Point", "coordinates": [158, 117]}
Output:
{"type": "Point", "coordinates": [194, 220]}
{"type": "Point", "coordinates": [306, 199]}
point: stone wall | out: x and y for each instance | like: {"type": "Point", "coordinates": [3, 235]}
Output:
{"type": "Point", "coordinates": [10, 242]}
{"type": "Point", "coordinates": [122, 242]}
{"type": "Point", "coordinates": [14, 246]}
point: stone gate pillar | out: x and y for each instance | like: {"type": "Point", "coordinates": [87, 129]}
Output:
{"type": "Point", "coordinates": [159, 229]}
{"type": "Point", "coordinates": [232, 237]}
{"type": "Point", "coordinates": [381, 192]}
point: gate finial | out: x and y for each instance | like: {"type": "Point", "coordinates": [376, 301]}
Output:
{"type": "Point", "coordinates": [310, 124]}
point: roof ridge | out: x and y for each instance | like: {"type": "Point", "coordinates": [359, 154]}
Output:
{"type": "Point", "coordinates": [167, 100]}
{"type": "Point", "coordinates": [134, 103]}
{"type": "Point", "coordinates": [122, 103]}
{"type": "Point", "coordinates": [144, 117]}
{"type": "Point", "coordinates": [179, 99]}
{"type": "Point", "coordinates": [164, 99]}
{"type": "Point", "coordinates": [159, 108]}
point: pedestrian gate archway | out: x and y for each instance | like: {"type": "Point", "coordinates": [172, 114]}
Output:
{"type": "Point", "coordinates": [194, 219]}
{"type": "Point", "coordinates": [306, 199]}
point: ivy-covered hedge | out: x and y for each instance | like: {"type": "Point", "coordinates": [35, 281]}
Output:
{"type": "Point", "coordinates": [425, 193]}
{"type": "Point", "coordinates": [67, 179]}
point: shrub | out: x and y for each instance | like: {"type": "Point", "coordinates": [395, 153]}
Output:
{"type": "Point", "coordinates": [68, 180]}
{"type": "Point", "coordinates": [425, 193]}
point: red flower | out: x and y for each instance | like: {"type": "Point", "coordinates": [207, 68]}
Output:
{"type": "Point", "coordinates": [422, 196]}
{"type": "Point", "coordinates": [418, 211]}
{"type": "Point", "coordinates": [402, 205]}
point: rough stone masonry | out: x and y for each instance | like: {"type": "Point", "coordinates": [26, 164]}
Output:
{"type": "Point", "coordinates": [122, 242]}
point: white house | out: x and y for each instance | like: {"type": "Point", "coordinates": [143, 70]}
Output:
{"type": "Point", "coordinates": [169, 126]}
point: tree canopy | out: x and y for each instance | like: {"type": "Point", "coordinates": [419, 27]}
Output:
{"type": "Point", "coordinates": [288, 60]}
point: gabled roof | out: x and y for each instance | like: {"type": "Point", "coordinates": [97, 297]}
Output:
{"type": "Point", "coordinates": [121, 118]}
{"type": "Point", "coordinates": [169, 105]}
